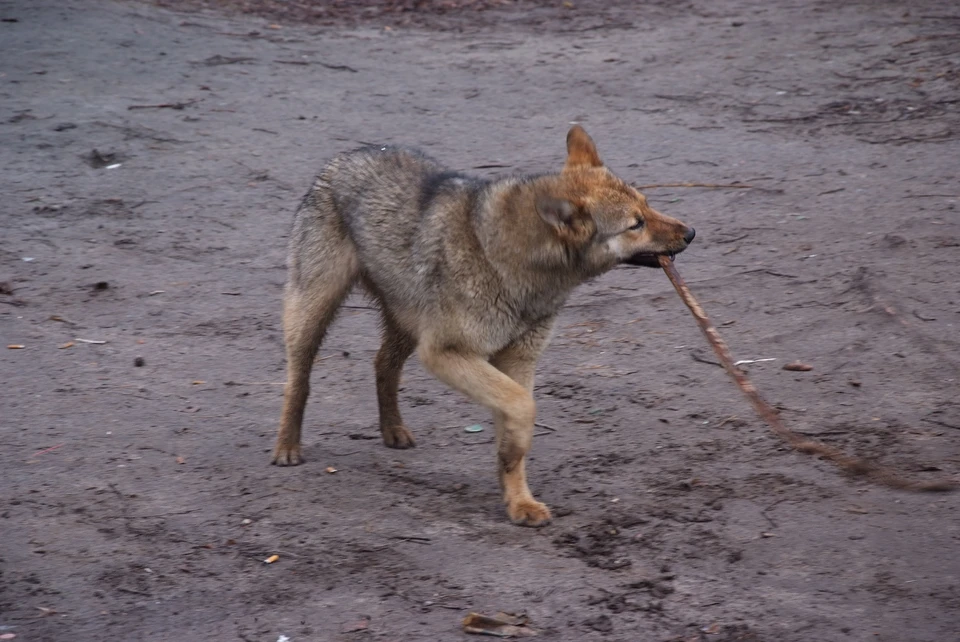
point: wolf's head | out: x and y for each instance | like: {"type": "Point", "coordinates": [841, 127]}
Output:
{"type": "Point", "coordinates": [599, 221]}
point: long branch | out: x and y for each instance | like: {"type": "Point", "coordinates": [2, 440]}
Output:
{"type": "Point", "coordinates": [856, 466]}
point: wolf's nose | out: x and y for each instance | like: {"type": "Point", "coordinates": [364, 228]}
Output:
{"type": "Point", "coordinates": [688, 237]}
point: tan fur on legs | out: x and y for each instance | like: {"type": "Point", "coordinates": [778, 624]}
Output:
{"type": "Point", "coordinates": [518, 361]}
{"type": "Point", "coordinates": [307, 312]}
{"type": "Point", "coordinates": [515, 410]}
{"type": "Point", "coordinates": [397, 347]}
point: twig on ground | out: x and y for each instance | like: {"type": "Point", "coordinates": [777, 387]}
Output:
{"type": "Point", "coordinates": [697, 357]}
{"type": "Point", "coordinates": [862, 282]}
{"type": "Point", "coordinates": [412, 538]}
{"type": "Point", "coordinates": [164, 105]}
{"type": "Point", "coordinates": [939, 423]}
{"type": "Point", "coordinates": [46, 450]}
{"type": "Point", "coordinates": [770, 272]}
{"type": "Point", "coordinates": [703, 185]}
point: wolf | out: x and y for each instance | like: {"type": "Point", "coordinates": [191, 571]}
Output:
{"type": "Point", "coordinates": [469, 273]}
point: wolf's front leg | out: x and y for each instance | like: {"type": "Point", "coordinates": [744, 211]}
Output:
{"type": "Point", "coordinates": [518, 361]}
{"type": "Point", "coordinates": [514, 414]}
{"type": "Point", "coordinates": [513, 443]}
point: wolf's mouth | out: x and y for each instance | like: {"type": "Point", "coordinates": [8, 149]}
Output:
{"type": "Point", "coordinates": [648, 259]}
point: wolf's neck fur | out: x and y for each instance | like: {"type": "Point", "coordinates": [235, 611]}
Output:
{"type": "Point", "coordinates": [521, 247]}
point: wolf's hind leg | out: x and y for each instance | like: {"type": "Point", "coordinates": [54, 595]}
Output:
{"type": "Point", "coordinates": [324, 267]}
{"type": "Point", "coordinates": [396, 349]}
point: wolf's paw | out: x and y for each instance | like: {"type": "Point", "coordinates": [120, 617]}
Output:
{"type": "Point", "coordinates": [528, 512]}
{"type": "Point", "coordinates": [287, 456]}
{"type": "Point", "coordinates": [398, 437]}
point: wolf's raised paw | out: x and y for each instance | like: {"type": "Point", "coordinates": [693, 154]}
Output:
{"type": "Point", "coordinates": [529, 513]}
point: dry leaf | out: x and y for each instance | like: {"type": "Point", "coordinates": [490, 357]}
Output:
{"type": "Point", "coordinates": [501, 625]}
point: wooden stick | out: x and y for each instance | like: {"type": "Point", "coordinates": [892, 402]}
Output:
{"type": "Point", "coordinates": [856, 466]}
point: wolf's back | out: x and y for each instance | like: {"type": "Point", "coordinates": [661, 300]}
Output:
{"type": "Point", "coordinates": [397, 207]}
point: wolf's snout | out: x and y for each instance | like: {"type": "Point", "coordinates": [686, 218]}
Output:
{"type": "Point", "coordinates": [689, 236]}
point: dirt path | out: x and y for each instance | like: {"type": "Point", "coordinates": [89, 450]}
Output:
{"type": "Point", "coordinates": [138, 503]}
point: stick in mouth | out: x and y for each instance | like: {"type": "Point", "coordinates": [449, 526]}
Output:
{"type": "Point", "coordinates": [853, 465]}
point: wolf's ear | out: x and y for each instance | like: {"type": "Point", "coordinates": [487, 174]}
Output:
{"type": "Point", "coordinates": [580, 149]}
{"type": "Point", "coordinates": [555, 211]}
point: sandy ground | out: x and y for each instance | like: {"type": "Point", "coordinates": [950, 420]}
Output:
{"type": "Point", "coordinates": [138, 503]}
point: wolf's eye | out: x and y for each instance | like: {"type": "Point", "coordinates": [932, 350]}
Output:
{"type": "Point", "coordinates": [637, 225]}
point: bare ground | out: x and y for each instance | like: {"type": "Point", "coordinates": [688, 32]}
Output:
{"type": "Point", "coordinates": [138, 503]}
